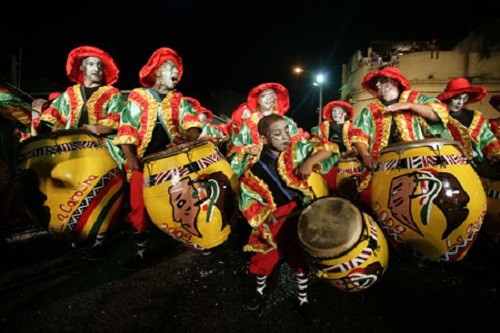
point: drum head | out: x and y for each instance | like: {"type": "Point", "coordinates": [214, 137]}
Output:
{"type": "Point", "coordinates": [172, 151]}
{"type": "Point", "coordinates": [330, 226]}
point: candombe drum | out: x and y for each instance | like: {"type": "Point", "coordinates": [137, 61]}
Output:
{"type": "Point", "coordinates": [347, 177]}
{"type": "Point", "coordinates": [344, 246]}
{"type": "Point", "coordinates": [428, 199]}
{"type": "Point", "coordinates": [490, 177]}
{"type": "Point", "coordinates": [190, 193]}
{"type": "Point", "coordinates": [82, 183]}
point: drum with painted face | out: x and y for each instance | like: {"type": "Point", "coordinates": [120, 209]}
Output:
{"type": "Point", "coordinates": [190, 193]}
{"type": "Point", "coordinates": [80, 182]}
{"type": "Point", "coordinates": [428, 199]}
{"type": "Point", "coordinates": [344, 245]}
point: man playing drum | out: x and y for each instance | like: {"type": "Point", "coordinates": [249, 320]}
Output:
{"type": "Point", "coordinates": [470, 127]}
{"type": "Point", "coordinates": [92, 104]}
{"type": "Point", "coordinates": [243, 146]}
{"type": "Point", "coordinates": [156, 116]}
{"type": "Point", "coordinates": [336, 127]}
{"type": "Point", "coordinates": [397, 115]}
{"type": "Point", "coordinates": [271, 190]}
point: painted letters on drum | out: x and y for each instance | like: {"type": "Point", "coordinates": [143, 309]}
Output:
{"type": "Point", "coordinates": [79, 181]}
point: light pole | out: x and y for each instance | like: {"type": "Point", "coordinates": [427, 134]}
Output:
{"type": "Point", "coordinates": [319, 80]}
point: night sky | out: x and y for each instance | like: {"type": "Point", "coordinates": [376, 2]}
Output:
{"type": "Point", "coordinates": [234, 47]}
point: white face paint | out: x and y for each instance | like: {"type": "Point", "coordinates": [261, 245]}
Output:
{"type": "Point", "coordinates": [279, 135]}
{"type": "Point", "coordinates": [338, 115]}
{"type": "Point", "coordinates": [167, 76]}
{"type": "Point", "coordinates": [93, 71]}
{"type": "Point", "coordinates": [458, 102]}
{"type": "Point", "coordinates": [387, 89]}
{"type": "Point", "coordinates": [267, 101]}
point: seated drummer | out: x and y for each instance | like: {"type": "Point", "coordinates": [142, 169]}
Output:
{"type": "Point", "coordinates": [270, 191]}
{"type": "Point", "coordinates": [156, 116]}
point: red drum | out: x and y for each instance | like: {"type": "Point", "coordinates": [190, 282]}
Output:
{"type": "Point", "coordinates": [190, 193]}
{"type": "Point", "coordinates": [344, 245]}
{"type": "Point", "coordinates": [428, 199]}
{"type": "Point", "coordinates": [82, 184]}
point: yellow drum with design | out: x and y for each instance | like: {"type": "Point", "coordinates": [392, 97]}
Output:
{"type": "Point", "coordinates": [428, 199]}
{"type": "Point", "coordinates": [344, 245]}
{"type": "Point", "coordinates": [82, 184]}
{"type": "Point", "coordinates": [190, 193]}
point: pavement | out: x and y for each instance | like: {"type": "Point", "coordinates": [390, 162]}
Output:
{"type": "Point", "coordinates": [48, 286]}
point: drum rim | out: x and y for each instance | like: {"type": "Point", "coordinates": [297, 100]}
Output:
{"type": "Point", "coordinates": [340, 250]}
{"type": "Point", "coordinates": [56, 134]}
{"type": "Point", "coordinates": [174, 150]}
{"type": "Point", "coordinates": [396, 147]}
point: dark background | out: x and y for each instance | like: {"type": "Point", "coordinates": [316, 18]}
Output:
{"type": "Point", "coordinates": [226, 45]}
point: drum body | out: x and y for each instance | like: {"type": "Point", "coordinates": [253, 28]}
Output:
{"type": "Point", "coordinates": [344, 245]}
{"type": "Point", "coordinates": [428, 199]}
{"type": "Point", "coordinates": [190, 193]}
{"type": "Point", "coordinates": [82, 183]}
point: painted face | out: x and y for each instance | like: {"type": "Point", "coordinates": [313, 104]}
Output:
{"type": "Point", "coordinates": [338, 115]}
{"type": "Point", "coordinates": [387, 89]}
{"type": "Point", "coordinates": [279, 135]}
{"type": "Point", "coordinates": [458, 102]}
{"type": "Point", "coordinates": [167, 75]}
{"type": "Point", "coordinates": [93, 71]}
{"type": "Point", "coordinates": [267, 101]}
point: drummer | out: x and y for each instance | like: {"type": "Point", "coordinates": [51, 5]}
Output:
{"type": "Point", "coordinates": [467, 126]}
{"type": "Point", "coordinates": [397, 115]}
{"type": "Point", "coordinates": [243, 147]}
{"type": "Point", "coordinates": [92, 103]}
{"type": "Point", "coordinates": [272, 189]}
{"type": "Point", "coordinates": [336, 127]}
{"type": "Point", "coordinates": [156, 116]}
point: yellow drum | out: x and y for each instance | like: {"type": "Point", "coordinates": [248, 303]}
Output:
{"type": "Point", "coordinates": [190, 193]}
{"type": "Point", "coordinates": [428, 199]}
{"type": "Point", "coordinates": [318, 184]}
{"type": "Point", "coordinates": [490, 177]}
{"type": "Point", "coordinates": [82, 183]}
{"type": "Point", "coordinates": [344, 245]}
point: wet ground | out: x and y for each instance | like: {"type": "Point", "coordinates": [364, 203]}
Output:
{"type": "Point", "coordinates": [47, 286]}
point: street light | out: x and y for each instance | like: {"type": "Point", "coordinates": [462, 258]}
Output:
{"type": "Point", "coordinates": [319, 80]}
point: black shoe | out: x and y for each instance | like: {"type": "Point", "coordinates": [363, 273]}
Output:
{"type": "Point", "coordinates": [135, 262]}
{"type": "Point", "coordinates": [255, 301]}
{"type": "Point", "coordinates": [307, 312]}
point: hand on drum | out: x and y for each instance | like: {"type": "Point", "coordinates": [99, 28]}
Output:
{"type": "Point", "coordinates": [305, 170]}
{"type": "Point", "coordinates": [350, 153]}
{"type": "Point", "coordinates": [368, 161]}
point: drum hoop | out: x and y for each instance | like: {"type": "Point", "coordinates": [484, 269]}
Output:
{"type": "Point", "coordinates": [345, 248]}
{"type": "Point", "coordinates": [58, 148]}
{"type": "Point", "coordinates": [56, 134]}
{"type": "Point", "coordinates": [183, 147]}
{"type": "Point", "coordinates": [435, 143]}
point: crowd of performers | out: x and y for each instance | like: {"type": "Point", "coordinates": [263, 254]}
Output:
{"type": "Point", "coordinates": [158, 158]}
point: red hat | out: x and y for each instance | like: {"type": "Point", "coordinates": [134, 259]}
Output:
{"type": "Point", "coordinates": [327, 109]}
{"type": "Point", "coordinates": [283, 100]}
{"type": "Point", "coordinates": [370, 79]}
{"type": "Point", "coordinates": [196, 103]}
{"type": "Point", "coordinates": [159, 57]}
{"type": "Point", "coordinates": [495, 102]}
{"type": "Point", "coordinates": [460, 86]}
{"type": "Point", "coordinates": [76, 56]}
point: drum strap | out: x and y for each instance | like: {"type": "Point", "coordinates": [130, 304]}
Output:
{"type": "Point", "coordinates": [420, 162]}
{"type": "Point", "coordinates": [59, 149]}
{"type": "Point", "coordinates": [183, 170]}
